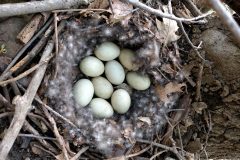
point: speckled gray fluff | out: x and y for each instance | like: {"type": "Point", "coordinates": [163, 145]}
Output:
{"type": "Point", "coordinates": [79, 42]}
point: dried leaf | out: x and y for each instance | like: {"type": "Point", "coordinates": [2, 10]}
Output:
{"type": "Point", "coordinates": [122, 12]}
{"type": "Point", "coordinates": [36, 150]}
{"type": "Point", "coordinates": [99, 4]}
{"type": "Point", "coordinates": [167, 29]}
{"type": "Point", "coordinates": [127, 132]}
{"type": "Point", "coordinates": [167, 68]}
{"type": "Point", "coordinates": [199, 106]}
{"type": "Point", "coordinates": [146, 120]}
{"type": "Point", "coordinates": [194, 146]}
{"type": "Point", "coordinates": [168, 89]}
{"type": "Point", "coordinates": [187, 69]}
{"type": "Point", "coordinates": [232, 98]}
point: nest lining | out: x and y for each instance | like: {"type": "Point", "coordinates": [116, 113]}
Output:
{"type": "Point", "coordinates": [78, 41]}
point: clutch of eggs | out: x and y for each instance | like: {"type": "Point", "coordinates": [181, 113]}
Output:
{"type": "Point", "coordinates": [101, 79]}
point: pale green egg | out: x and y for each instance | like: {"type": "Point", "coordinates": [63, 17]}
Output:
{"type": "Point", "coordinates": [101, 108]}
{"type": "Point", "coordinates": [102, 87]}
{"type": "Point", "coordinates": [83, 91]}
{"type": "Point", "coordinates": [114, 72]}
{"type": "Point", "coordinates": [91, 66]}
{"type": "Point", "coordinates": [121, 101]}
{"type": "Point", "coordinates": [138, 81]}
{"type": "Point", "coordinates": [127, 58]}
{"type": "Point", "coordinates": [107, 51]}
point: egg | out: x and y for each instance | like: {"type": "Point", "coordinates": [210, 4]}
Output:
{"type": "Point", "coordinates": [83, 91]}
{"type": "Point", "coordinates": [101, 108]}
{"type": "Point", "coordinates": [138, 81]}
{"type": "Point", "coordinates": [120, 101]}
{"type": "Point", "coordinates": [102, 87]}
{"type": "Point", "coordinates": [91, 66]}
{"type": "Point", "coordinates": [107, 51]}
{"type": "Point", "coordinates": [114, 72]}
{"type": "Point", "coordinates": [127, 58]}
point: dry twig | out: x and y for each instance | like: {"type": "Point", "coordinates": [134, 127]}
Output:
{"type": "Point", "coordinates": [192, 7]}
{"type": "Point", "coordinates": [58, 136]}
{"type": "Point", "coordinates": [24, 74]}
{"type": "Point", "coordinates": [76, 157]}
{"type": "Point", "coordinates": [33, 131]}
{"type": "Point", "coordinates": [195, 48]}
{"type": "Point", "coordinates": [37, 99]}
{"type": "Point", "coordinates": [36, 136]}
{"type": "Point", "coordinates": [5, 102]}
{"type": "Point", "coordinates": [7, 71]}
{"type": "Point", "coordinates": [171, 149]}
{"type": "Point", "coordinates": [54, 112]}
{"type": "Point", "coordinates": [157, 154]}
{"type": "Point", "coordinates": [45, 150]}
{"type": "Point", "coordinates": [159, 13]}
{"type": "Point", "coordinates": [23, 104]}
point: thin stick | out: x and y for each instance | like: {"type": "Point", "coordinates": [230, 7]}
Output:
{"type": "Point", "coordinates": [32, 130]}
{"type": "Point", "coordinates": [23, 104]}
{"type": "Point", "coordinates": [171, 149]}
{"type": "Point", "coordinates": [20, 53]}
{"type": "Point", "coordinates": [31, 115]}
{"type": "Point", "coordinates": [132, 155]}
{"type": "Point", "coordinates": [15, 88]}
{"type": "Point", "coordinates": [5, 102]}
{"type": "Point", "coordinates": [138, 153]}
{"type": "Point", "coordinates": [180, 138]}
{"type": "Point", "coordinates": [36, 136]}
{"type": "Point", "coordinates": [195, 48]}
{"type": "Point", "coordinates": [6, 93]}
{"type": "Point", "coordinates": [155, 155]}
{"type": "Point", "coordinates": [2, 115]}
{"type": "Point", "coordinates": [226, 18]}
{"type": "Point", "coordinates": [39, 147]}
{"type": "Point", "coordinates": [192, 7]}
{"type": "Point", "coordinates": [186, 36]}
{"type": "Point", "coordinates": [49, 108]}
{"type": "Point", "coordinates": [76, 157]}
{"type": "Point", "coordinates": [56, 42]}
{"type": "Point", "coordinates": [24, 74]}
{"type": "Point", "coordinates": [111, 6]}
{"type": "Point", "coordinates": [33, 53]}
{"type": "Point", "coordinates": [159, 13]}
{"type": "Point", "coordinates": [58, 136]}
{"type": "Point", "coordinates": [56, 31]}
{"type": "Point", "coordinates": [78, 10]}
{"type": "Point", "coordinates": [55, 113]}
{"type": "Point", "coordinates": [29, 128]}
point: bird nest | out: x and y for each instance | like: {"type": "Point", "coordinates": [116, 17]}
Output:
{"type": "Point", "coordinates": [158, 58]}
